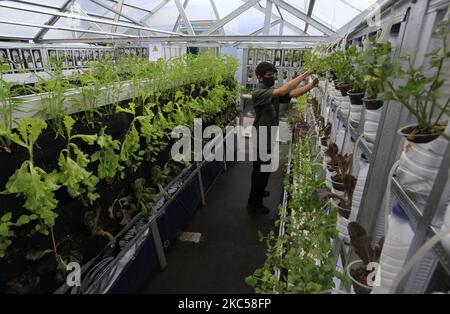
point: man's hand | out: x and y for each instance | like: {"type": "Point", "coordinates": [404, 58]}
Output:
{"type": "Point", "coordinates": [309, 72]}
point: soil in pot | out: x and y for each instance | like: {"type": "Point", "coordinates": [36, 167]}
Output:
{"type": "Point", "coordinates": [337, 183]}
{"type": "Point", "coordinates": [344, 89]}
{"type": "Point", "coordinates": [372, 103]}
{"type": "Point", "coordinates": [420, 135]}
{"type": "Point", "coordinates": [356, 98]}
{"type": "Point", "coordinates": [359, 276]}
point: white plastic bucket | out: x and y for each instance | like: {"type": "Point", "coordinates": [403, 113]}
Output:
{"type": "Point", "coordinates": [395, 248]}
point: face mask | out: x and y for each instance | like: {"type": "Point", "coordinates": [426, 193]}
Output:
{"type": "Point", "coordinates": [269, 81]}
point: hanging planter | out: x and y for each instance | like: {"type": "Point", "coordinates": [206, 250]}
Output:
{"type": "Point", "coordinates": [372, 103]}
{"type": "Point", "coordinates": [371, 122]}
{"type": "Point", "coordinates": [420, 160]}
{"type": "Point", "coordinates": [358, 274]}
{"type": "Point", "coordinates": [344, 89]}
{"type": "Point", "coordinates": [422, 95]}
{"type": "Point", "coordinates": [362, 245]}
{"type": "Point", "coordinates": [356, 98]}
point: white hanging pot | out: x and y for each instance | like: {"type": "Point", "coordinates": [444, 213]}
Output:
{"type": "Point", "coordinates": [359, 188]}
{"type": "Point", "coordinates": [355, 114]}
{"type": "Point", "coordinates": [420, 162]}
{"type": "Point", "coordinates": [358, 287]}
{"type": "Point", "coordinates": [341, 227]}
{"type": "Point", "coordinates": [395, 248]}
{"type": "Point", "coordinates": [371, 122]}
{"type": "Point", "coordinates": [372, 104]}
{"type": "Point", "coordinates": [328, 175]}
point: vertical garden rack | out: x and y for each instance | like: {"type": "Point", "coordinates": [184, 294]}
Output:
{"type": "Point", "coordinates": [415, 22]}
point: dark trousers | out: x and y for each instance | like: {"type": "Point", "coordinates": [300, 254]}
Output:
{"type": "Point", "coordinates": [259, 183]}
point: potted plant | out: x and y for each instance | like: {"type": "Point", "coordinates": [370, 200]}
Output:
{"type": "Point", "coordinates": [420, 93]}
{"type": "Point", "coordinates": [277, 58]}
{"type": "Point", "coordinates": [359, 271]}
{"type": "Point", "coordinates": [375, 65]}
{"type": "Point", "coordinates": [288, 58]}
{"type": "Point", "coordinates": [423, 96]}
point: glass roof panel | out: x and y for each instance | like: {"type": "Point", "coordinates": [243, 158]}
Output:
{"type": "Point", "coordinates": [333, 13]}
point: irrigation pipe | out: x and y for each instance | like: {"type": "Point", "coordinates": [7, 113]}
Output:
{"type": "Point", "coordinates": [388, 196]}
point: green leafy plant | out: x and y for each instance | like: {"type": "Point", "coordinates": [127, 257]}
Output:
{"type": "Point", "coordinates": [108, 157]}
{"type": "Point", "coordinates": [73, 163]}
{"type": "Point", "coordinates": [32, 182]}
{"type": "Point", "coordinates": [130, 152]}
{"type": "Point", "coordinates": [52, 88]}
{"type": "Point", "coordinates": [303, 254]}
{"type": "Point", "coordinates": [420, 93]}
{"type": "Point", "coordinates": [375, 64]}
{"type": "Point", "coordinates": [91, 89]}
{"type": "Point", "coordinates": [9, 104]}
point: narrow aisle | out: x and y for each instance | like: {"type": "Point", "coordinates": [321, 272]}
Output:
{"type": "Point", "coordinates": [229, 249]}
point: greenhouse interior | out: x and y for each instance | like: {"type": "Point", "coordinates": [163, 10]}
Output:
{"type": "Point", "coordinates": [224, 147]}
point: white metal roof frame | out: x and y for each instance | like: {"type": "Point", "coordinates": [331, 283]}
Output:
{"type": "Point", "coordinates": [145, 33]}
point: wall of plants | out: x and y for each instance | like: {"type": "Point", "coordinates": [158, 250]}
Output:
{"type": "Point", "coordinates": [69, 183]}
{"type": "Point", "coordinates": [302, 255]}
{"type": "Point", "coordinates": [326, 185]}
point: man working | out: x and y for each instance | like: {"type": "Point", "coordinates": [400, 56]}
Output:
{"type": "Point", "coordinates": [266, 101]}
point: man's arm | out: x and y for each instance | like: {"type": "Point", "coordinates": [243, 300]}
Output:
{"type": "Point", "coordinates": [289, 86]}
{"type": "Point", "coordinates": [303, 90]}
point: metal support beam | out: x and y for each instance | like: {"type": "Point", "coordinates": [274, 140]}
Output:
{"type": "Point", "coordinates": [149, 14]}
{"type": "Point", "coordinates": [84, 13]}
{"type": "Point", "coordinates": [52, 21]}
{"type": "Point", "coordinates": [119, 8]}
{"type": "Point", "coordinates": [84, 18]}
{"type": "Point", "coordinates": [216, 13]}
{"type": "Point", "coordinates": [260, 30]}
{"type": "Point", "coordinates": [351, 5]}
{"type": "Point", "coordinates": [267, 17]}
{"type": "Point", "coordinates": [199, 38]}
{"type": "Point", "coordinates": [184, 16]}
{"type": "Point", "coordinates": [310, 11]}
{"type": "Point", "coordinates": [299, 14]}
{"type": "Point", "coordinates": [62, 28]}
{"type": "Point", "coordinates": [274, 16]}
{"type": "Point", "coordinates": [132, 6]}
{"type": "Point", "coordinates": [177, 23]}
{"type": "Point", "coordinates": [279, 12]}
{"type": "Point", "coordinates": [118, 13]}
{"type": "Point", "coordinates": [230, 17]}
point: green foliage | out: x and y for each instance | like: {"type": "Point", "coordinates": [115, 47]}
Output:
{"type": "Point", "coordinates": [73, 163]}
{"type": "Point", "coordinates": [313, 61]}
{"type": "Point", "coordinates": [91, 87]}
{"type": "Point", "coordinates": [32, 182]}
{"type": "Point", "coordinates": [108, 157]}
{"type": "Point", "coordinates": [130, 152]}
{"type": "Point", "coordinates": [303, 253]}
{"type": "Point", "coordinates": [420, 93]}
{"type": "Point", "coordinates": [9, 103]}
{"type": "Point", "coordinates": [52, 88]}
{"type": "Point", "coordinates": [375, 63]}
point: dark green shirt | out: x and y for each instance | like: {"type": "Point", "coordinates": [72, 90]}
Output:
{"type": "Point", "coordinates": [266, 106]}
